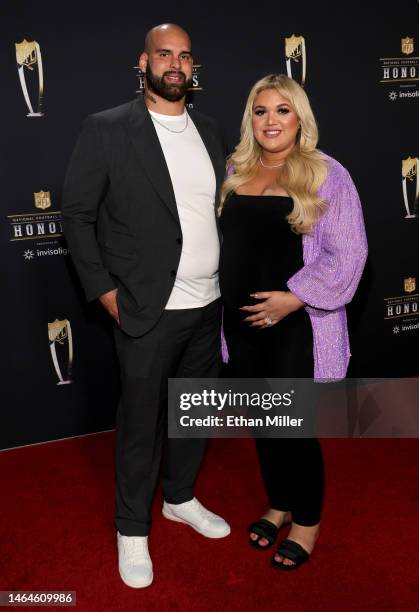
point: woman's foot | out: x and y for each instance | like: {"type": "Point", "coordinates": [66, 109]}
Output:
{"type": "Point", "coordinates": [304, 536]}
{"type": "Point", "coordinates": [278, 518]}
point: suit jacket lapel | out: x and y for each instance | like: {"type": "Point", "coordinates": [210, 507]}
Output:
{"type": "Point", "coordinates": [150, 154]}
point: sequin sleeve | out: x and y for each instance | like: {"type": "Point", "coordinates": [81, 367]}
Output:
{"type": "Point", "coordinates": [335, 255]}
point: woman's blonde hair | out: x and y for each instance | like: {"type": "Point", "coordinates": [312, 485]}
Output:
{"type": "Point", "coordinates": [305, 168]}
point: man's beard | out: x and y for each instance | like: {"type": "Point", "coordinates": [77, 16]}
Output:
{"type": "Point", "coordinates": [169, 91]}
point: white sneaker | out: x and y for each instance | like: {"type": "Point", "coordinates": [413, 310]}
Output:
{"type": "Point", "coordinates": [135, 566]}
{"type": "Point", "coordinates": [193, 513]}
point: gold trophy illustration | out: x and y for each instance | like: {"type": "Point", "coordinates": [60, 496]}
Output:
{"type": "Point", "coordinates": [28, 55]}
{"type": "Point", "coordinates": [295, 49]}
{"type": "Point", "coordinates": [59, 332]}
{"type": "Point", "coordinates": [410, 175]}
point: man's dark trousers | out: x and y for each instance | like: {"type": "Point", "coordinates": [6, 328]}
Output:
{"type": "Point", "coordinates": [183, 344]}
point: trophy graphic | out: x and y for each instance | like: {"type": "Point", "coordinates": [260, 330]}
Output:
{"type": "Point", "coordinates": [410, 175]}
{"type": "Point", "coordinates": [58, 333]}
{"type": "Point", "coordinates": [28, 54]}
{"type": "Point", "coordinates": [295, 48]}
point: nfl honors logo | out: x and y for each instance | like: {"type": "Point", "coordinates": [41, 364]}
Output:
{"type": "Point", "coordinates": [404, 307]}
{"type": "Point", "coordinates": [401, 71]}
{"type": "Point", "coordinates": [44, 224]}
{"type": "Point", "coordinates": [196, 79]}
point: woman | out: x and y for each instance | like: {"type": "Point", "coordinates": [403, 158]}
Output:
{"type": "Point", "coordinates": [293, 252]}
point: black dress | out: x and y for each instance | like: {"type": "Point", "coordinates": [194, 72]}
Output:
{"type": "Point", "coordinates": [259, 252]}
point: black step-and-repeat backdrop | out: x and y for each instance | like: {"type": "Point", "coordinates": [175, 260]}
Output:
{"type": "Point", "coordinates": [359, 63]}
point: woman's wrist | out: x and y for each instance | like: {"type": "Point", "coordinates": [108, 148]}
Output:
{"type": "Point", "coordinates": [294, 302]}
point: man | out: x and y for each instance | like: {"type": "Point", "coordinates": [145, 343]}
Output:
{"type": "Point", "coordinates": [139, 217]}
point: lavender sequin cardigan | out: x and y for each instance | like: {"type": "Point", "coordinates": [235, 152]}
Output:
{"type": "Point", "coordinates": [334, 258]}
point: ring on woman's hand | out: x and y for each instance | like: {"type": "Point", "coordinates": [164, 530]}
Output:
{"type": "Point", "coordinates": [268, 321]}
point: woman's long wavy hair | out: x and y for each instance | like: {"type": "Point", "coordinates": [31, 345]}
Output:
{"type": "Point", "coordinates": [305, 169]}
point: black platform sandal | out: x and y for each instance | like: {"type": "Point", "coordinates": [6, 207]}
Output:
{"type": "Point", "coordinates": [294, 552]}
{"type": "Point", "coordinates": [264, 529]}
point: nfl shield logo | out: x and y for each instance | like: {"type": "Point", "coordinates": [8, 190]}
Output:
{"type": "Point", "coordinates": [409, 284]}
{"type": "Point", "coordinates": [407, 45]}
{"type": "Point", "coordinates": [42, 199]}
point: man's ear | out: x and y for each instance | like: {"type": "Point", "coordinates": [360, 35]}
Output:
{"type": "Point", "coordinates": [143, 60]}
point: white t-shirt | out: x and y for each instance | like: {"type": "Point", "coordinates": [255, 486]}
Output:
{"type": "Point", "coordinates": [194, 184]}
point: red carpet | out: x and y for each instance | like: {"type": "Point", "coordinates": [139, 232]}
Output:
{"type": "Point", "coordinates": [57, 532]}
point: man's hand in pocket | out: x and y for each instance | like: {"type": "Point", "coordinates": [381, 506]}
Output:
{"type": "Point", "coordinates": [108, 301]}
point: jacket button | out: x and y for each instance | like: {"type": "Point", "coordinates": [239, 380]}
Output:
{"type": "Point", "coordinates": [179, 240]}
{"type": "Point", "coordinates": [173, 272]}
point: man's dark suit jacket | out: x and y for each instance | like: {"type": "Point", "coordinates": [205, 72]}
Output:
{"type": "Point", "coordinates": [119, 210]}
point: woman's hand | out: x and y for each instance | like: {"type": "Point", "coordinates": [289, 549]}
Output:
{"type": "Point", "coordinates": [276, 306]}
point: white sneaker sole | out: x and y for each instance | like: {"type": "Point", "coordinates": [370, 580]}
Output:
{"type": "Point", "coordinates": [137, 586]}
{"type": "Point", "coordinates": [207, 534]}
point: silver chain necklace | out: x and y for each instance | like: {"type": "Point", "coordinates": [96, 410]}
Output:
{"type": "Point", "coordinates": [266, 166]}
{"type": "Point", "coordinates": [168, 129]}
